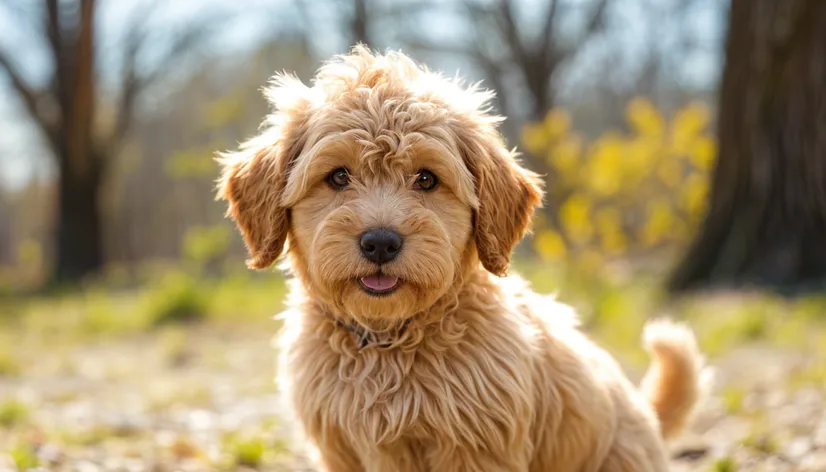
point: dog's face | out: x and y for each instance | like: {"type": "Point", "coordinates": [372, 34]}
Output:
{"type": "Point", "coordinates": [388, 181]}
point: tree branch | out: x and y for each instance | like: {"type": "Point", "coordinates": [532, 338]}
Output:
{"type": "Point", "coordinates": [52, 25]}
{"type": "Point", "coordinates": [507, 23]}
{"type": "Point", "coordinates": [129, 88]}
{"type": "Point", "coordinates": [360, 23]}
{"type": "Point", "coordinates": [548, 30]}
{"type": "Point", "coordinates": [59, 47]}
{"type": "Point", "coordinates": [23, 90]}
{"type": "Point", "coordinates": [30, 98]}
{"type": "Point", "coordinates": [596, 20]}
{"type": "Point", "coordinates": [594, 24]}
{"type": "Point", "coordinates": [134, 84]}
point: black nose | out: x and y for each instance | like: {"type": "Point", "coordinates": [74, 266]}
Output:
{"type": "Point", "coordinates": [380, 245]}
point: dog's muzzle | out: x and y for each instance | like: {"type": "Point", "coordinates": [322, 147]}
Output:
{"type": "Point", "coordinates": [380, 245]}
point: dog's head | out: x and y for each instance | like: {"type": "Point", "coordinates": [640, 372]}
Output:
{"type": "Point", "coordinates": [387, 181]}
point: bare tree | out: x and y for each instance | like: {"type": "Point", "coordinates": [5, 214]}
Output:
{"type": "Point", "coordinates": [357, 18]}
{"type": "Point", "coordinates": [360, 23]}
{"type": "Point", "coordinates": [501, 43]}
{"type": "Point", "coordinates": [67, 111]}
{"type": "Point", "coordinates": [767, 215]}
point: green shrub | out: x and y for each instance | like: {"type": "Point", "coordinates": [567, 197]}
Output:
{"type": "Point", "coordinates": [176, 298]}
{"type": "Point", "coordinates": [247, 451]}
{"type": "Point", "coordinates": [724, 464]}
{"type": "Point", "coordinates": [13, 413]}
{"type": "Point", "coordinates": [102, 314]}
{"type": "Point", "coordinates": [24, 456]}
{"type": "Point", "coordinates": [202, 244]}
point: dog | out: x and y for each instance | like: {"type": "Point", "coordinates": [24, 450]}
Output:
{"type": "Point", "coordinates": [406, 346]}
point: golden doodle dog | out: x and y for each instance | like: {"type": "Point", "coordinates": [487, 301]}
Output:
{"type": "Point", "coordinates": [406, 347]}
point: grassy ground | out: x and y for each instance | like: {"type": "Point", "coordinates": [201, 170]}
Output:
{"type": "Point", "coordinates": [177, 374]}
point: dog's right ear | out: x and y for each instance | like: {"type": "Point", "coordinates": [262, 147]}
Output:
{"type": "Point", "coordinates": [507, 193]}
{"type": "Point", "coordinates": [253, 179]}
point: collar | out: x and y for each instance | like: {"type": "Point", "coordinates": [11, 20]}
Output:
{"type": "Point", "coordinates": [365, 337]}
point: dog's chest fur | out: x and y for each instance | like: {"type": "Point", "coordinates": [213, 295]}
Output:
{"type": "Point", "coordinates": [447, 390]}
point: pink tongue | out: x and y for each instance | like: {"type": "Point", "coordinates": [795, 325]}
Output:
{"type": "Point", "coordinates": [379, 282]}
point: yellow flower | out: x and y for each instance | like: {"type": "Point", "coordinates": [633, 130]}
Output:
{"type": "Point", "coordinates": [690, 121]}
{"type": "Point", "coordinates": [609, 225]}
{"type": "Point", "coordinates": [640, 156]}
{"type": "Point", "coordinates": [660, 222]}
{"type": "Point", "coordinates": [703, 152]}
{"type": "Point", "coordinates": [565, 155]}
{"type": "Point", "coordinates": [534, 138]}
{"type": "Point", "coordinates": [644, 118]}
{"type": "Point", "coordinates": [574, 216]}
{"type": "Point", "coordinates": [550, 245]}
{"type": "Point", "coordinates": [658, 173]}
{"type": "Point", "coordinates": [557, 123]}
{"type": "Point", "coordinates": [694, 194]}
{"type": "Point", "coordinates": [605, 167]}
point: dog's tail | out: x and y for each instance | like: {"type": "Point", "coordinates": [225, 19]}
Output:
{"type": "Point", "coordinates": [677, 379]}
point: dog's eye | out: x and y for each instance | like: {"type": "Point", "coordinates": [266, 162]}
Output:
{"type": "Point", "coordinates": [339, 178]}
{"type": "Point", "coordinates": [425, 181]}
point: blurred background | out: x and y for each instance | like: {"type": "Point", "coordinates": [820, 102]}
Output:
{"type": "Point", "coordinates": [682, 143]}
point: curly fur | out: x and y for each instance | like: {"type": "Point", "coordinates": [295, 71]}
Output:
{"type": "Point", "coordinates": [487, 375]}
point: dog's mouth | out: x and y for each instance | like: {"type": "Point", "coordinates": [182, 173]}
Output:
{"type": "Point", "coordinates": [379, 284]}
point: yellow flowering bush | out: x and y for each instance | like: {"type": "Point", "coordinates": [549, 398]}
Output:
{"type": "Point", "coordinates": [623, 193]}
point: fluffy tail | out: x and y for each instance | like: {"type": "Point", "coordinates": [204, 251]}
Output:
{"type": "Point", "coordinates": [677, 379]}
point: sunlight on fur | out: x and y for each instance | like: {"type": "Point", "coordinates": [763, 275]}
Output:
{"type": "Point", "coordinates": [396, 205]}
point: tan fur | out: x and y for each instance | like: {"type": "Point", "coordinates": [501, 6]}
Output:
{"type": "Point", "coordinates": [677, 379]}
{"type": "Point", "coordinates": [486, 375]}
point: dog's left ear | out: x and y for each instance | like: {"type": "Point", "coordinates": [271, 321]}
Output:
{"type": "Point", "coordinates": [254, 179]}
{"type": "Point", "coordinates": [252, 182]}
{"type": "Point", "coordinates": [508, 194]}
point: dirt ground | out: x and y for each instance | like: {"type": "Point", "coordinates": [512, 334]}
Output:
{"type": "Point", "coordinates": [203, 399]}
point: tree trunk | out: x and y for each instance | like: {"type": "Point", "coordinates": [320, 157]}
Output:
{"type": "Point", "coordinates": [79, 229]}
{"type": "Point", "coordinates": [766, 223]}
{"type": "Point", "coordinates": [538, 78]}
{"type": "Point", "coordinates": [360, 24]}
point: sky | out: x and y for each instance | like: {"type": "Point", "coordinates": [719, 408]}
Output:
{"type": "Point", "coordinates": [21, 158]}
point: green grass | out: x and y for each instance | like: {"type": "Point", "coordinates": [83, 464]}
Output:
{"type": "Point", "coordinates": [812, 374]}
{"type": "Point", "coordinates": [176, 298]}
{"type": "Point", "coordinates": [248, 452]}
{"type": "Point", "coordinates": [761, 441]}
{"type": "Point", "coordinates": [191, 395]}
{"type": "Point", "coordinates": [87, 437]}
{"type": "Point", "coordinates": [613, 304]}
{"type": "Point", "coordinates": [724, 464]}
{"type": "Point", "coordinates": [169, 298]}
{"type": "Point", "coordinates": [24, 456]}
{"type": "Point", "coordinates": [733, 398]}
{"type": "Point", "coordinates": [13, 413]}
